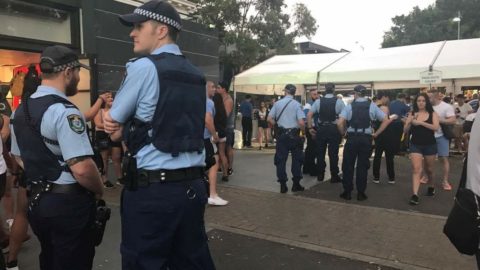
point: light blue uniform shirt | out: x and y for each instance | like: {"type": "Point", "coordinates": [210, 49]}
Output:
{"type": "Point", "coordinates": [138, 96]}
{"type": "Point", "coordinates": [211, 110]}
{"type": "Point", "coordinates": [375, 114]}
{"type": "Point", "coordinates": [290, 116]}
{"type": "Point", "coordinates": [339, 105]}
{"type": "Point", "coordinates": [73, 142]}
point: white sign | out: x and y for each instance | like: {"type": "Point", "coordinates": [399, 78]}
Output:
{"type": "Point", "coordinates": [431, 77]}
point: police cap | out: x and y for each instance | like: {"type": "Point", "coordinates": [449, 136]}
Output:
{"type": "Point", "coordinates": [58, 58]}
{"type": "Point", "coordinates": [291, 89]}
{"type": "Point", "coordinates": [360, 89]}
{"type": "Point", "coordinates": [160, 11]}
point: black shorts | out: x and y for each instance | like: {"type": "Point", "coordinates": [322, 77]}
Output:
{"type": "Point", "coordinates": [209, 154]}
{"type": "Point", "coordinates": [230, 137]}
{"type": "Point", "coordinates": [103, 141]}
{"type": "Point", "coordinates": [262, 123]}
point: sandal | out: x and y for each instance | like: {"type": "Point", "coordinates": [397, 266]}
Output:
{"type": "Point", "coordinates": [446, 186]}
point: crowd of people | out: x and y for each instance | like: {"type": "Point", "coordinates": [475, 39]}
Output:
{"type": "Point", "coordinates": [426, 127]}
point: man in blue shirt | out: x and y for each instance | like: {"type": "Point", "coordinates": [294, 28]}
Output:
{"type": "Point", "coordinates": [325, 131]}
{"type": "Point", "coordinates": [49, 140]}
{"type": "Point", "coordinates": [287, 114]}
{"type": "Point", "coordinates": [246, 109]}
{"type": "Point", "coordinates": [310, 163]}
{"type": "Point", "coordinates": [162, 102]}
{"type": "Point", "coordinates": [358, 147]}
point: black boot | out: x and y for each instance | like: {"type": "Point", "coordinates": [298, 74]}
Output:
{"type": "Point", "coordinates": [336, 179]}
{"type": "Point", "coordinates": [361, 196]}
{"type": "Point", "coordinates": [283, 188]}
{"type": "Point", "coordinates": [346, 195]}
{"type": "Point", "coordinates": [297, 187]}
{"type": "Point", "coordinates": [320, 177]}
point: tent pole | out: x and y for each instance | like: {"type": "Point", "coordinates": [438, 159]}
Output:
{"type": "Point", "coordinates": [234, 110]}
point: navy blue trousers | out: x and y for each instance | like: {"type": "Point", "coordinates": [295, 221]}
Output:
{"type": "Point", "coordinates": [63, 225]}
{"type": "Point", "coordinates": [357, 150]}
{"type": "Point", "coordinates": [328, 136]}
{"type": "Point", "coordinates": [163, 227]}
{"type": "Point", "coordinates": [287, 144]}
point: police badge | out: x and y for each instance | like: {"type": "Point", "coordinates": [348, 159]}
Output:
{"type": "Point", "coordinates": [76, 123]}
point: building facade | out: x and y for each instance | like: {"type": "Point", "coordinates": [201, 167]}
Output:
{"type": "Point", "coordinates": [92, 28]}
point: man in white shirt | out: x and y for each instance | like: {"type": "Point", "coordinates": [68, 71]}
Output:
{"type": "Point", "coordinates": [462, 110]}
{"type": "Point", "coordinates": [446, 116]}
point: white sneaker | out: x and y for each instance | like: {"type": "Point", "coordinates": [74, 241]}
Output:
{"type": "Point", "coordinates": [217, 201]}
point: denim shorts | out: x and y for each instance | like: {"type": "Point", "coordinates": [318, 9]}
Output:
{"type": "Point", "coordinates": [443, 146]}
{"type": "Point", "coordinates": [425, 150]}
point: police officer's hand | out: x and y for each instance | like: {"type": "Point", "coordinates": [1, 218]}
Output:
{"type": "Point", "coordinates": [109, 124]}
{"type": "Point", "coordinates": [312, 131]}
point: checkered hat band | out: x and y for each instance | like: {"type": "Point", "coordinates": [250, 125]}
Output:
{"type": "Point", "coordinates": [158, 17]}
{"type": "Point", "coordinates": [65, 66]}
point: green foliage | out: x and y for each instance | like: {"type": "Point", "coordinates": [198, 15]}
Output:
{"type": "Point", "coordinates": [252, 30]}
{"type": "Point", "coordinates": [434, 23]}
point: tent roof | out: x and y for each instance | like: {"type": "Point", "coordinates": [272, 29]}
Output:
{"type": "Point", "coordinates": [459, 59]}
{"type": "Point", "coordinates": [391, 64]}
{"type": "Point", "coordinates": [284, 69]}
{"type": "Point", "coordinates": [387, 68]}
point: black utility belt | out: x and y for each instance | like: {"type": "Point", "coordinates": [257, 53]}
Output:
{"type": "Point", "coordinates": [327, 124]}
{"type": "Point", "coordinates": [289, 130]}
{"type": "Point", "coordinates": [37, 187]}
{"type": "Point", "coordinates": [358, 134]}
{"type": "Point", "coordinates": [145, 177]}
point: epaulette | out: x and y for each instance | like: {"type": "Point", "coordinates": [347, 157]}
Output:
{"type": "Point", "coordinates": [69, 105]}
{"type": "Point", "coordinates": [131, 60]}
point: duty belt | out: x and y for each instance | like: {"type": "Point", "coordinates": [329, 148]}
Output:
{"type": "Point", "coordinates": [289, 131]}
{"type": "Point", "coordinates": [358, 134]}
{"type": "Point", "coordinates": [145, 177]}
{"type": "Point", "coordinates": [36, 189]}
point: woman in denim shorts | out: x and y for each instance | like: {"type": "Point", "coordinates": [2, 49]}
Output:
{"type": "Point", "coordinates": [422, 123]}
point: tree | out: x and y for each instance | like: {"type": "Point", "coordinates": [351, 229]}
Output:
{"type": "Point", "coordinates": [434, 23]}
{"type": "Point", "coordinates": [253, 30]}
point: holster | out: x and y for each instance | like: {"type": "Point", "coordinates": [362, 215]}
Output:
{"type": "Point", "coordinates": [102, 215]}
{"type": "Point", "coordinates": [129, 171]}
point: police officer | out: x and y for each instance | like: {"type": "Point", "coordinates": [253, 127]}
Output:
{"type": "Point", "coordinates": [49, 136]}
{"type": "Point", "coordinates": [161, 104]}
{"type": "Point", "coordinates": [359, 115]}
{"type": "Point", "coordinates": [310, 165]}
{"type": "Point", "coordinates": [287, 114]}
{"type": "Point", "coordinates": [325, 131]}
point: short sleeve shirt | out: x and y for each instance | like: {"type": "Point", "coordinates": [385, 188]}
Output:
{"type": "Point", "coordinates": [138, 97]}
{"type": "Point", "coordinates": [65, 125]}
{"type": "Point", "coordinates": [339, 105]}
{"type": "Point", "coordinates": [375, 114]}
{"type": "Point", "coordinates": [211, 110]}
{"type": "Point", "coordinates": [291, 115]}
{"type": "Point", "coordinates": [444, 111]}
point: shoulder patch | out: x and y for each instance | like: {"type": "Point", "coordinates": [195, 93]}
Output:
{"type": "Point", "coordinates": [76, 123]}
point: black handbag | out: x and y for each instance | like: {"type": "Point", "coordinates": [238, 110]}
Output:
{"type": "Point", "coordinates": [463, 222]}
{"type": "Point", "coordinates": [448, 131]}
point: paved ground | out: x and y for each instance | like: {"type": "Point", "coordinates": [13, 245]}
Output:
{"type": "Point", "coordinates": [234, 252]}
{"type": "Point", "coordinates": [261, 229]}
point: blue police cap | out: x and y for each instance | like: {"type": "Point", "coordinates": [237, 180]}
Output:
{"type": "Point", "coordinates": [360, 89]}
{"type": "Point", "coordinates": [290, 88]}
{"type": "Point", "coordinates": [58, 58]}
{"type": "Point", "coordinates": [160, 11]}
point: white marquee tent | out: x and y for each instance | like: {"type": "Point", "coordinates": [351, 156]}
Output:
{"type": "Point", "coordinates": [390, 68]}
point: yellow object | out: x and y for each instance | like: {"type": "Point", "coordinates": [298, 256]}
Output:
{"type": "Point", "coordinates": [16, 86]}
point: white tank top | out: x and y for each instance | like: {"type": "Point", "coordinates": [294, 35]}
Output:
{"type": "Point", "coordinates": [3, 165]}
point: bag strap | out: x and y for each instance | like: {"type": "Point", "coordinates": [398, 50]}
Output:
{"type": "Point", "coordinates": [280, 115]}
{"type": "Point", "coordinates": [463, 177]}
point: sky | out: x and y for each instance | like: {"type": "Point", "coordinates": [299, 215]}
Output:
{"type": "Point", "coordinates": [353, 24]}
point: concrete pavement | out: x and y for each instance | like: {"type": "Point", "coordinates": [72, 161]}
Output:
{"type": "Point", "coordinates": [318, 227]}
